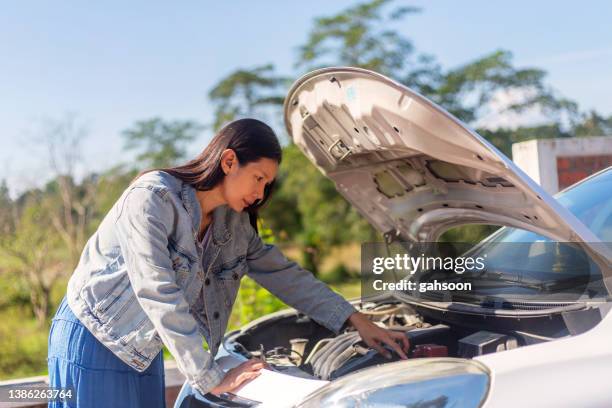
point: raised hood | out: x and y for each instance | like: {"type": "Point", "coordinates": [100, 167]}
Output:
{"type": "Point", "coordinates": [408, 166]}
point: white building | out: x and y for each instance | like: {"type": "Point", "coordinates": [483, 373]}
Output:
{"type": "Point", "coordinates": [559, 163]}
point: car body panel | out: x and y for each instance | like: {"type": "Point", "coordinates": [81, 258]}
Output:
{"type": "Point", "coordinates": [411, 168]}
{"type": "Point", "coordinates": [569, 372]}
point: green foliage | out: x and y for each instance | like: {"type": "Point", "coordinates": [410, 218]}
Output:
{"type": "Point", "coordinates": [465, 90]}
{"type": "Point", "coordinates": [111, 184]}
{"type": "Point", "coordinates": [338, 274]}
{"type": "Point", "coordinates": [471, 233]}
{"type": "Point", "coordinates": [23, 341]}
{"type": "Point", "coordinates": [362, 36]}
{"type": "Point", "coordinates": [23, 344]}
{"type": "Point", "coordinates": [246, 92]}
{"type": "Point", "coordinates": [308, 209]}
{"type": "Point", "coordinates": [252, 302]}
{"type": "Point", "coordinates": [6, 209]}
{"type": "Point", "coordinates": [593, 124]}
{"type": "Point", "coordinates": [33, 255]}
{"type": "Point", "coordinates": [367, 36]}
{"type": "Point", "coordinates": [161, 143]}
{"type": "Point", "coordinates": [14, 289]}
{"type": "Point", "coordinates": [504, 138]}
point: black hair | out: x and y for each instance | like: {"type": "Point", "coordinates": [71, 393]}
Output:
{"type": "Point", "coordinates": [250, 139]}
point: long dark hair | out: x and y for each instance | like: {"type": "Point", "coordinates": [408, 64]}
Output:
{"type": "Point", "coordinates": [250, 139]}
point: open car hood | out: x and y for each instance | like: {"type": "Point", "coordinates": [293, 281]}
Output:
{"type": "Point", "coordinates": [408, 166]}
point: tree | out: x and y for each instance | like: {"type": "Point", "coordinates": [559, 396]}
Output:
{"type": "Point", "coordinates": [367, 36]}
{"type": "Point", "coordinates": [361, 36]}
{"type": "Point", "coordinates": [467, 90]}
{"type": "Point", "coordinates": [69, 205]}
{"type": "Point", "coordinates": [247, 92]}
{"type": "Point", "coordinates": [34, 252]}
{"type": "Point", "coordinates": [593, 124]}
{"type": "Point", "coordinates": [503, 138]}
{"type": "Point", "coordinates": [111, 183]}
{"type": "Point", "coordinates": [6, 209]}
{"type": "Point", "coordinates": [308, 209]}
{"type": "Point", "coordinates": [161, 143]}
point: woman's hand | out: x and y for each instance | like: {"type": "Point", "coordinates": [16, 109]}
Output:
{"type": "Point", "coordinates": [239, 375]}
{"type": "Point", "coordinates": [374, 335]}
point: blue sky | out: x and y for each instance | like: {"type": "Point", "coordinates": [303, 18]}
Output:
{"type": "Point", "coordinates": [113, 63]}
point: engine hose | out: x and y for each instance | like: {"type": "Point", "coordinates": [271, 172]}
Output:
{"type": "Point", "coordinates": [327, 364]}
{"type": "Point", "coordinates": [402, 328]}
{"type": "Point", "coordinates": [380, 312]}
{"type": "Point", "coordinates": [337, 362]}
{"type": "Point", "coordinates": [315, 350]}
{"type": "Point", "coordinates": [321, 354]}
{"type": "Point", "coordinates": [323, 365]}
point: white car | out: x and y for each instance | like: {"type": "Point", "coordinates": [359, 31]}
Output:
{"type": "Point", "coordinates": [537, 334]}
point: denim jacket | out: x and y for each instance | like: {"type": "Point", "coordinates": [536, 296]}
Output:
{"type": "Point", "coordinates": [140, 284]}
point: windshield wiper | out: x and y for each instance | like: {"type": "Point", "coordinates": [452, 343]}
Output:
{"type": "Point", "coordinates": [558, 284]}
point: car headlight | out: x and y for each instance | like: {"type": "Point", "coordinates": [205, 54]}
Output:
{"type": "Point", "coordinates": [432, 382]}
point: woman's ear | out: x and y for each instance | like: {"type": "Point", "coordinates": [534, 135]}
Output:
{"type": "Point", "coordinates": [229, 161]}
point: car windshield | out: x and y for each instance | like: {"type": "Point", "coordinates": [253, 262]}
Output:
{"type": "Point", "coordinates": [525, 266]}
{"type": "Point", "coordinates": [590, 202]}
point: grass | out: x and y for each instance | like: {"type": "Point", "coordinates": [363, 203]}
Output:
{"type": "Point", "coordinates": [23, 344]}
{"type": "Point", "coordinates": [349, 289]}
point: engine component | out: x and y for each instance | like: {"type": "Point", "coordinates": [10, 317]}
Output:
{"type": "Point", "coordinates": [333, 354]}
{"type": "Point", "coordinates": [484, 342]}
{"type": "Point", "coordinates": [315, 350]}
{"type": "Point", "coordinates": [297, 347]}
{"type": "Point", "coordinates": [394, 316]}
{"type": "Point", "coordinates": [361, 359]}
{"type": "Point", "coordinates": [335, 357]}
{"type": "Point", "coordinates": [438, 334]}
{"type": "Point", "coordinates": [429, 350]}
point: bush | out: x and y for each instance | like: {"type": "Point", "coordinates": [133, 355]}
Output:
{"type": "Point", "coordinates": [23, 344]}
{"type": "Point", "coordinates": [252, 302]}
{"type": "Point", "coordinates": [338, 274]}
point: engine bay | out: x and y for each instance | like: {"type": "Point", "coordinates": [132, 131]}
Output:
{"type": "Point", "coordinates": [293, 343]}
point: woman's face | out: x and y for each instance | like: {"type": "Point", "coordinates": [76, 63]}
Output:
{"type": "Point", "coordinates": [244, 184]}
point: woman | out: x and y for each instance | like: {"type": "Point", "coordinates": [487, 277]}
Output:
{"type": "Point", "coordinates": [164, 268]}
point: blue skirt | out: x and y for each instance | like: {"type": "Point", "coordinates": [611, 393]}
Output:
{"type": "Point", "coordinates": [78, 360]}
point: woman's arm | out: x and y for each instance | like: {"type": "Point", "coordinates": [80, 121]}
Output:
{"type": "Point", "coordinates": [294, 285]}
{"type": "Point", "coordinates": [300, 289]}
{"type": "Point", "coordinates": [142, 228]}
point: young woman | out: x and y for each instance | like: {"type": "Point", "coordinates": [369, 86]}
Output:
{"type": "Point", "coordinates": [164, 267]}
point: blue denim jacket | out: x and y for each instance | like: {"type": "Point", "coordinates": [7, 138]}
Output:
{"type": "Point", "coordinates": [139, 282]}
